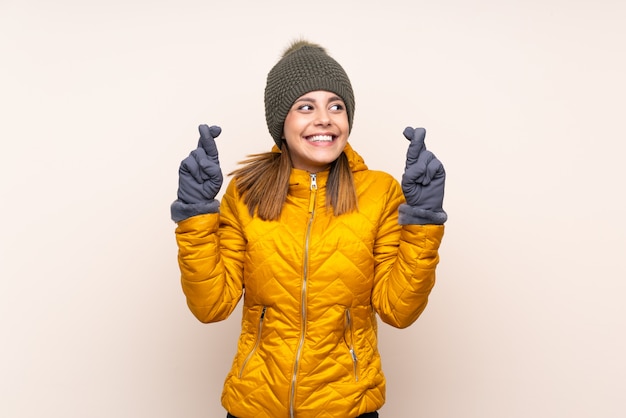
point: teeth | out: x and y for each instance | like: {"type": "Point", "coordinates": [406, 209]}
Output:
{"type": "Point", "coordinates": [320, 138]}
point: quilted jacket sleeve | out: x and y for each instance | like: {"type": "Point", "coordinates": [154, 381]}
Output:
{"type": "Point", "coordinates": [405, 265]}
{"type": "Point", "coordinates": [210, 249]}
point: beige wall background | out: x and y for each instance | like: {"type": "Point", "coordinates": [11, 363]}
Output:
{"type": "Point", "coordinates": [523, 102]}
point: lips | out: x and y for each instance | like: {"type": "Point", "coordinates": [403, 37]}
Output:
{"type": "Point", "coordinates": [320, 138]}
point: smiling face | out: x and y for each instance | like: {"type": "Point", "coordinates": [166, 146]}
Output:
{"type": "Point", "coordinates": [316, 130]}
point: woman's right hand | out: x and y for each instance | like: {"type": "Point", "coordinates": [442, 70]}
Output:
{"type": "Point", "coordinates": [199, 176]}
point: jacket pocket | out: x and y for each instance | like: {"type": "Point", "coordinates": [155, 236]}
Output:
{"type": "Point", "coordinates": [256, 342]}
{"type": "Point", "coordinates": [349, 339]}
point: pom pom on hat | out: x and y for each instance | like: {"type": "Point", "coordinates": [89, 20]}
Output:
{"type": "Point", "coordinates": [304, 67]}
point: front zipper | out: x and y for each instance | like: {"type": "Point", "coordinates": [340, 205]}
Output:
{"type": "Point", "coordinates": [256, 343]}
{"type": "Point", "coordinates": [350, 344]}
{"type": "Point", "coordinates": [305, 273]}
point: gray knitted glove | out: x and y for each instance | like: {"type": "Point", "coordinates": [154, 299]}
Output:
{"type": "Point", "coordinates": [423, 183]}
{"type": "Point", "coordinates": [199, 178]}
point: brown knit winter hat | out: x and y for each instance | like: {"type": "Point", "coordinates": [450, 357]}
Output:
{"type": "Point", "coordinates": [304, 67]}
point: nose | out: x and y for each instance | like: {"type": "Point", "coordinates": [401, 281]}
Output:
{"type": "Point", "coordinates": [322, 117]}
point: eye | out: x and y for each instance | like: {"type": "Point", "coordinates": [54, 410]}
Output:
{"type": "Point", "coordinates": [305, 107]}
{"type": "Point", "coordinates": [337, 107]}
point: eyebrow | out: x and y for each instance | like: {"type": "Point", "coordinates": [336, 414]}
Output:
{"type": "Point", "coordinates": [312, 100]}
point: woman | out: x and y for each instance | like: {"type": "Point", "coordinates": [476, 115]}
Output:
{"type": "Point", "coordinates": [315, 242]}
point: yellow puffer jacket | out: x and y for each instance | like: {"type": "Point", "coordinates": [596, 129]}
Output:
{"type": "Point", "coordinates": [313, 283]}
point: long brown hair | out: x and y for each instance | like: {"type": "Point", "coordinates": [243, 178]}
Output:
{"type": "Point", "coordinates": [263, 183]}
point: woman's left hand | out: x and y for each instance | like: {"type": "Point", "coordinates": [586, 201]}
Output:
{"type": "Point", "coordinates": [424, 177]}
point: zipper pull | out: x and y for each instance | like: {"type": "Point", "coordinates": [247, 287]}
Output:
{"type": "Point", "coordinates": [313, 192]}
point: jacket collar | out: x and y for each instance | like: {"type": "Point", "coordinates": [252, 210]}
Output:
{"type": "Point", "coordinates": [356, 161]}
{"type": "Point", "coordinates": [300, 180]}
